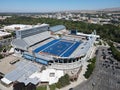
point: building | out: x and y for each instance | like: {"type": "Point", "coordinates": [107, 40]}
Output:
{"type": "Point", "coordinates": [28, 37]}
{"type": "Point", "coordinates": [15, 27]}
{"type": "Point", "coordinates": [49, 76]}
{"type": "Point", "coordinates": [58, 29]}
{"type": "Point", "coordinates": [4, 34]}
{"type": "Point", "coordinates": [4, 17]}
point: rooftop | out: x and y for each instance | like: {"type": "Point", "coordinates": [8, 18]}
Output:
{"type": "Point", "coordinates": [19, 26]}
{"type": "Point", "coordinates": [57, 28]}
{"type": "Point", "coordinates": [2, 34]}
{"type": "Point", "coordinates": [21, 73]}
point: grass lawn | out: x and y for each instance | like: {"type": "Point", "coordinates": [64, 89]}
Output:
{"type": "Point", "coordinates": [52, 87]}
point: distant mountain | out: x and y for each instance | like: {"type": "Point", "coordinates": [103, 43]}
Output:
{"type": "Point", "coordinates": [94, 11]}
{"type": "Point", "coordinates": [110, 9]}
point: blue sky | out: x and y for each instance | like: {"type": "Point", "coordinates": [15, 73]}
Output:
{"type": "Point", "coordinates": [55, 5]}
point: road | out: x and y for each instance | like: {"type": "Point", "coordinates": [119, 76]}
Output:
{"type": "Point", "coordinates": [106, 75]}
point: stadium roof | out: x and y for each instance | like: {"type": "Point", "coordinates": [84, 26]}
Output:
{"type": "Point", "coordinates": [41, 25]}
{"type": "Point", "coordinates": [57, 28]}
{"type": "Point", "coordinates": [28, 41]}
{"type": "Point", "coordinates": [19, 43]}
{"type": "Point", "coordinates": [21, 73]}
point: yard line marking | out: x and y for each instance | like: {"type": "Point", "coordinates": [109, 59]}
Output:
{"type": "Point", "coordinates": [68, 48]}
{"type": "Point", "coordinates": [50, 45]}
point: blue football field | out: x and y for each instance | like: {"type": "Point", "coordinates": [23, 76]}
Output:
{"type": "Point", "coordinates": [62, 48]}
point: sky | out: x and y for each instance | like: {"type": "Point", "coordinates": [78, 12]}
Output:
{"type": "Point", "coordinates": [55, 5]}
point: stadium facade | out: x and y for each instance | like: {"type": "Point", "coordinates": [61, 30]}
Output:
{"type": "Point", "coordinates": [54, 46]}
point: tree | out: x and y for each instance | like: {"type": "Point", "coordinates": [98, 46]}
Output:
{"type": "Point", "coordinates": [115, 52]}
{"type": "Point", "coordinates": [90, 67]}
{"type": "Point", "coordinates": [30, 86]}
{"type": "Point", "coordinates": [19, 86]}
{"type": "Point", "coordinates": [63, 81]}
{"type": "Point", "coordinates": [107, 31]}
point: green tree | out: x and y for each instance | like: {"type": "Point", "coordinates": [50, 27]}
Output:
{"type": "Point", "coordinates": [63, 81]}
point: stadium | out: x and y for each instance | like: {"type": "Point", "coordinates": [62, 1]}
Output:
{"type": "Point", "coordinates": [47, 53]}
{"type": "Point", "coordinates": [53, 46]}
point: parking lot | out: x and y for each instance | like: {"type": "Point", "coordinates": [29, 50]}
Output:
{"type": "Point", "coordinates": [106, 75]}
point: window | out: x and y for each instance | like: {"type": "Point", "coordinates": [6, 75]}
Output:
{"type": "Point", "coordinates": [52, 74]}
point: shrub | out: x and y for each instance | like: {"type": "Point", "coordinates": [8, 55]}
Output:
{"type": "Point", "coordinates": [41, 88]}
{"type": "Point", "coordinates": [63, 81]}
{"type": "Point", "coordinates": [52, 87]}
{"type": "Point", "coordinates": [90, 67]}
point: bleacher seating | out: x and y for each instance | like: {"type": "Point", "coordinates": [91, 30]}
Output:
{"type": "Point", "coordinates": [36, 38]}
